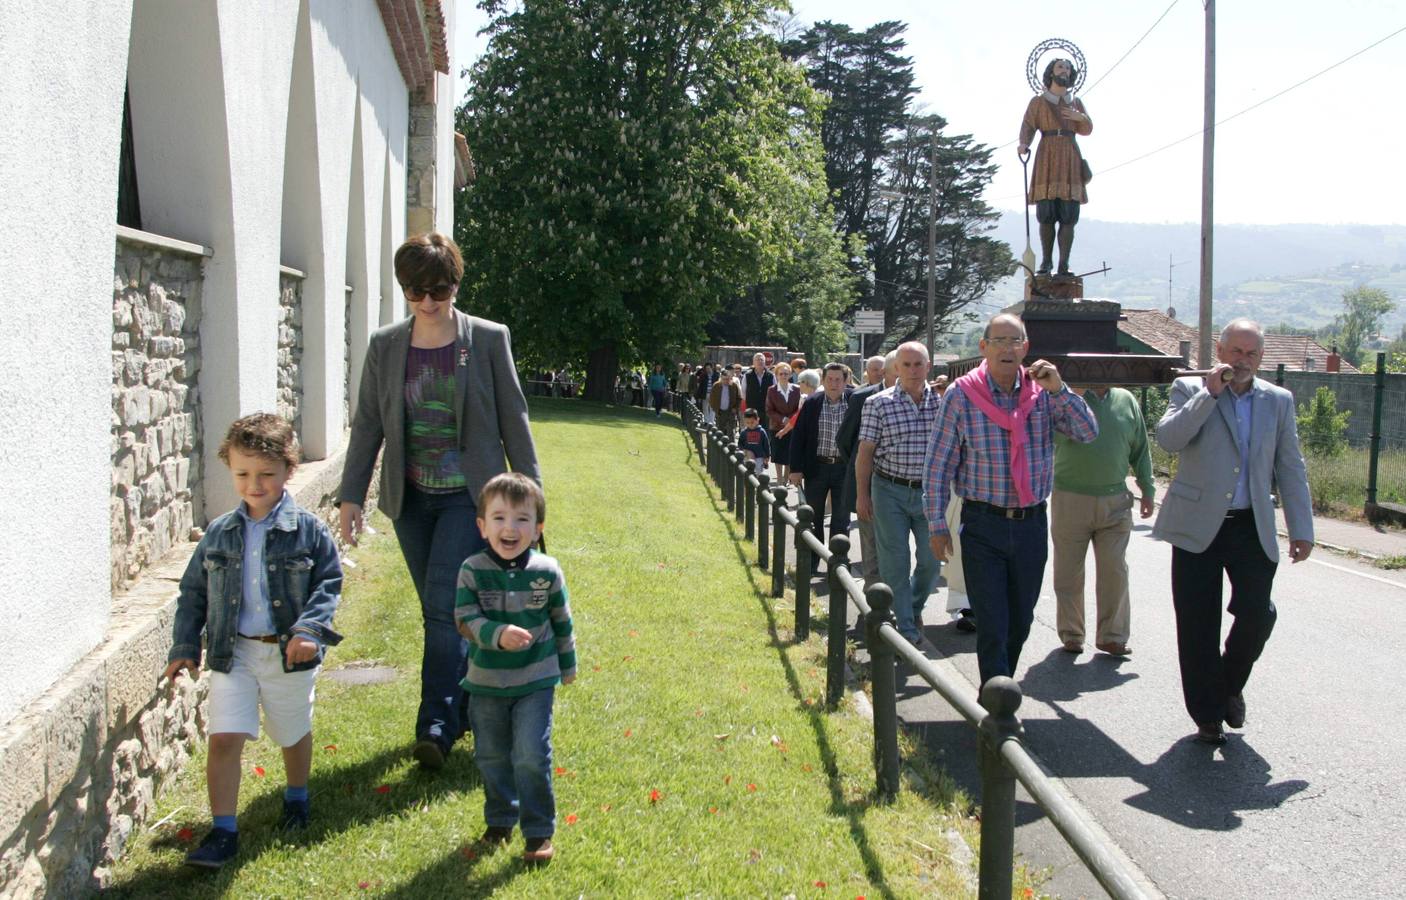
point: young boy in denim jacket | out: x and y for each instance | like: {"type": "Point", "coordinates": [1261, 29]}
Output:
{"type": "Point", "coordinates": [262, 586]}
{"type": "Point", "coordinates": [511, 605]}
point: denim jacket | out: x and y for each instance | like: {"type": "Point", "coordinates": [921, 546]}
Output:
{"type": "Point", "coordinates": [304, 581]}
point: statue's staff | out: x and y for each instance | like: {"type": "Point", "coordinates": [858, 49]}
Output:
{"type": "Point", "coordinates": [1027, 259]}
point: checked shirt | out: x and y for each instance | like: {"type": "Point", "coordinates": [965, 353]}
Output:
{"type": "Point", "coordinates": [969, 452]}
{"type": "Point", "coordinates": [831, 415]}
{"type": "Point", "coordinates": [899, 429]}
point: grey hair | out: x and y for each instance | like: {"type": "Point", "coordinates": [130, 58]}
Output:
{"type": "Point", "coordinates": [1242, 324]}
{"type": "Point", "coordinates": [809, 377]}
{"type": "Point", "coordinates": [1010, 317]}
{"type": "Point", "coordinates": [874, 361]}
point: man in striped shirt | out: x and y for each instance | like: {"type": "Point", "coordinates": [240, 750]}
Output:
{"type": "Point", "coordinates": [893, 439]}
{"type": "Point", "coordinates": [993, 444]}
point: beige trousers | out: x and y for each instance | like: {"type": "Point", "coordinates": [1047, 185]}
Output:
{"type": "Point", "coordinates": [1076, 520]}
{"type": "Point", "coordinates": [956, 584]}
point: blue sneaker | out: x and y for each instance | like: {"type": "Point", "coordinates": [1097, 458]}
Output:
{"type": "Point", "coordinates": [295, 814]}
{"type": "Point", "coordinates": [218, 848]}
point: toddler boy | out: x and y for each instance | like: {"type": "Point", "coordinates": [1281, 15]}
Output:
{"type": "Point", "coordinates": [754, 441]}
{"type": "Point", "coordinates": [512, 607]}
{"type": "Point", "coordinates": [262, 586]}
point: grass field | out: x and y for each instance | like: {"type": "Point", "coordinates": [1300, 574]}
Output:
{"type": "Point", "coordinates": [693, 755]}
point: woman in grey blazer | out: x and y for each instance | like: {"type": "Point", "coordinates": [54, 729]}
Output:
{"type": "Point", "coordinates": [440, 400]}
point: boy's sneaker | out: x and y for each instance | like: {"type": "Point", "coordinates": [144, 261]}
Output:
{"type": "Point", "coordinates": [218, 848]}
{"type": "Point", "coordinates": [495, 836]}
{"type": "Point", "coordinates": [295, 814]}
{"type": "Point", "coordinates": [539, 851]}
{"type": "Point", "coordinates": [429, 754]}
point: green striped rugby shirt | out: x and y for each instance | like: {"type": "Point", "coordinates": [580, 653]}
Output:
{"type": "Point", "coordinates": [531, 595]}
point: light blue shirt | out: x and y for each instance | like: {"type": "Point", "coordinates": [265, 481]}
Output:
{"type": "Point", "coordinates": [1244, 417]}
{"type": "Point", "coordinates": [255, 614]}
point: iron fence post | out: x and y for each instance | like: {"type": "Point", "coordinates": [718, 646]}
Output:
{"type": "Point", "coordinates": [883, 680]}
{"type": "Point", "coordinates": [728, 474]}
{"type": "Point", "coordinates": [804, 515]}
{"type": "Point", "coordinates": [739, 490]}
{"type": "Point", "coordinates": [835, 632]}
{"type": "Point", "coordinates": [1001, 698]}
{"type": "Point", "coordinates": [712, 453]}
{"type": "Point", "coordinates": [1378, 394]}
{"type": "Point", "coordinates": [1279, 375]}
{"type": "Point", "coordinates": [763, 532]}
{"type": "Point", "coordinates": [749, 498]}
{"type": "Point", "coordinates": [778, 542]}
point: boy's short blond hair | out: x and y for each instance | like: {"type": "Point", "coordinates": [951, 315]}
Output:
{"type": "Point", "coordinates": [262, 434]}
{"type": "Point", "coordinates": [516, 489]}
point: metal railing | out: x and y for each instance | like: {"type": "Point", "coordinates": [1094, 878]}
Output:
{"type": "Point", "coordinates": [1003, 757]}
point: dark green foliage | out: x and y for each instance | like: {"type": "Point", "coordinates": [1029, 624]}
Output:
{"type": "Point", "coordinates": [1322, 428]}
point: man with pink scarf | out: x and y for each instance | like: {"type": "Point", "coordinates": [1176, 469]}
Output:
{"type": "Point", "coordinates": [993, 444]}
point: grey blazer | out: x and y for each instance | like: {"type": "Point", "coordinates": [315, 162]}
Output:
{"type": "Point", "coordinates": [1201, 428]}
{"type": "Point", "coordinates": [488, 404]}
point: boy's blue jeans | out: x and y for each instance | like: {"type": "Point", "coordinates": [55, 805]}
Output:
{"type": "Point", "coordinates": [437, 532]}
{"type": "Point", "coordinates": [513, 749]}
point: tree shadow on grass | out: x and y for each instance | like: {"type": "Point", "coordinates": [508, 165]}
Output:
{"type": "Point", "coordinates": [460, 873]}
{"type": "Point", "coordinates": [343, 797]}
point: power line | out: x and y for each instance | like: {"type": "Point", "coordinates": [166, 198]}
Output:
{"type": "Point", "coordinates": [1254, 106]}
{"type": "Point", "coordinates": [1133, 47]}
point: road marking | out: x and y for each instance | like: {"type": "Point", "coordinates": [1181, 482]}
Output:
{"type": "Point", "coordinates": [1360, 574]}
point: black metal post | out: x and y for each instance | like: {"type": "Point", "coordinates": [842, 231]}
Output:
{"type": "Point", "coordinates": [778, 542]}
{"type": "Point", "coordinates": [883, 681]}
{"type": "Point", "coordinates": [728, 474]}
{"type": "Point", "coordinates": [1279, 375]}
{"type": "Point", "coordinates": [835, 632]}
{"type": "Point", "coordinates": [763, 532]}
{"type": "Point", "coordinates": [749, 502]}
{"type": "Point", "coordinates": [712, 438]}
{"type": "Point", "coordinates": [1001, 697]}
{"type": "Point", "coordinates": [739, 491]}
{"type": "Point", "coordinates": [1378, 395]}
{"type": "Point", "coordinates": [805, 515]}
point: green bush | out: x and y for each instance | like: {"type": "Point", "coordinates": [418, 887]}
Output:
{"type": "Point", "coordinates": [1322, 428]}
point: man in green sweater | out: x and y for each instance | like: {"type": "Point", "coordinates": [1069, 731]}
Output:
{"type": "Point", "coordinates": [1091, 503]}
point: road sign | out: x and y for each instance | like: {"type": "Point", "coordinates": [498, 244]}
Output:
{"type": "Point", "coordinates": [869, 321]}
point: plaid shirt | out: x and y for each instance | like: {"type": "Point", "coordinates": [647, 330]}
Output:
{"type": "Point", "coordinates": [831, 414]}
{"type": "Point", "coordinates": [971, 453]}
{"type": "Point", "coordinates": [899, 429]}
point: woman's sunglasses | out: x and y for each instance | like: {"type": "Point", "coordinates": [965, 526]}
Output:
{"type": "Point", "coordinates": [438, 293]}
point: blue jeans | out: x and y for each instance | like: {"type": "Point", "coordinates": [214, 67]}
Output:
{"type": "Point", "coordinates": [898, 514]}
{"type": "Point", "coordinates": [513, 749]}
{"type": "Point", "coordinates": [1003, 561]}
{"type": "Point", "coordinates": [437, 532]}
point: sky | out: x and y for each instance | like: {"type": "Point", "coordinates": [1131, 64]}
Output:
{"type": "Point", "coordinates": [1328, 152]}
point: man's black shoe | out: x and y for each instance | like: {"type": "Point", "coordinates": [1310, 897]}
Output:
{"type": "Point", "coordinates": [966, 622]}
{"type": "Point", "coordinates": [429, 753]}
{"type": "Point", "coordinates": [1210, 733]}
{"type": "Point", "coordinates": [1235, 710]}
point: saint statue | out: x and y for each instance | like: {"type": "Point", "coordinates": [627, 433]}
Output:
{"type": "Point", "coordinates": [1057, 185]}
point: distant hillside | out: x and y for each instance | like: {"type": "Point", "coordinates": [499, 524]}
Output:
{"type": "Point", "coordinates": [1274, 273]}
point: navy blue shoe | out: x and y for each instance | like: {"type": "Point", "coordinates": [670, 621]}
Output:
{"type": "Point", "coordinates": [218, 848]}
{"type": "Point", "coordinates": [430, 754]}
{"type": "Point", "coordinates": [295, 814]}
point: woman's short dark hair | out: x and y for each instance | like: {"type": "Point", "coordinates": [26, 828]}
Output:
{"type": "Point", "coordinates": [427, 260]}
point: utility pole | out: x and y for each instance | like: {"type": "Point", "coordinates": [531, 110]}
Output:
{"type": "Point", "coordinates": [1208, 152]}
{"type": "Point", "coordinates": [932, 240]}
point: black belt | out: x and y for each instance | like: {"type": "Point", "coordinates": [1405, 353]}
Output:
{"type": "Point", "coordinates": [832, 460]}
{"type": "Point", "coordinates": [1059, 132]}
{"type": "Point", "coordinates": [915, 484]}
{"type": "Point", "coordinates": [261, 638]}
{"type": "Point", "coordinates": [1240, 513]}
{"type": "Point", "coordinates": [1009, 512]}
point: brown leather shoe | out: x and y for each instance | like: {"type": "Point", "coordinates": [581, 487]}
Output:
{"type": "Point", "coordinates": [1073, 647]}
{"type": "Point", "coordinates": [1210, 733]}
{"type": "Point", "coordinates": [1116, 649]}
{"type": "Point", "coordinates": [539, 851]}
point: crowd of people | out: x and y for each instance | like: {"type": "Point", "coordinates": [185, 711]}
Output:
{"type": "Point", "coordinates": [987, 473]}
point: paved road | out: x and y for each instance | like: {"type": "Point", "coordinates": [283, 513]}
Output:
{"type": "Point", "coordinates": [1308, 801]}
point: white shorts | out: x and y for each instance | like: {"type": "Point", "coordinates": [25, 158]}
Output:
{"type": "Point", "coordinates": [256, 678]}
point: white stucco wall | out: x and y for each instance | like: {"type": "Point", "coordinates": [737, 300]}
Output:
{"type": "Point", "coordinates": [445, 101]}
{"type": "Point", "coordinates": [59, 149]}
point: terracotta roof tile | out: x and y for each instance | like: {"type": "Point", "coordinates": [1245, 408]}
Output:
{"type": "Point", "coordinates": [1164, 334]}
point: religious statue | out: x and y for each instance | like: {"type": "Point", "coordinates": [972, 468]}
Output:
{"type": "Point", "coordinates": [1056, 187]}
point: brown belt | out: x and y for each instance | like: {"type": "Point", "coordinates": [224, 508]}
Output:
{"type": "Point", "coordinates": [261, 638]}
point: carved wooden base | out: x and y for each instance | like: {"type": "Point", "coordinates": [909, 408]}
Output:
{"type": "Point", "coordinates": [1054, 287]}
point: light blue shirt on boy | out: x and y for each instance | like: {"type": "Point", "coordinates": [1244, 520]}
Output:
{"type": "Point", "coordinates": [255, 615]}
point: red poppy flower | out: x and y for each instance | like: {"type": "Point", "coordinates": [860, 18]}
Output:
{"type": "Point", "coordinates": [559, 770]}
{"type": "Point", "coordinates": [571, 818]}
{"type": "Point", "coordinates": [634, 633]}
{"type": "Point", "coordinates": [821, 884]}
{"type": "Point", "coordinates": [259, 771]}
{"type": "Point", "coordinates": [713, 810]}
{"type": "Point", "coordinates": [654, 795]}
{"type": "Point", "coordinates": [330, 748]}
{"type": "Point", "coordinates": [751, 788]}
{"type": "Point", "coordinates": [629, 732]}
{"type": "Point", "coordinates": [185, 835]}
{"type": "Point", "coordinates": [363, 884]}
{"type": "Point", "coordinates": [383, 789]}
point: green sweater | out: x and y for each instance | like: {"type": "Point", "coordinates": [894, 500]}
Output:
{"type": "Point", "coordinates": [530, 592]}
{"type": "Point", "coordinates": [1101, 468]}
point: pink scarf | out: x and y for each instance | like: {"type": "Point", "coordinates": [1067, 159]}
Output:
{"type": "Point", "coordinates": [973, 385]}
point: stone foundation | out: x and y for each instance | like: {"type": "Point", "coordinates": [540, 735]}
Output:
{"type": "Point", "coordinates": [290, 348]}
{"type": "Point", "coordinates": [156, 429]}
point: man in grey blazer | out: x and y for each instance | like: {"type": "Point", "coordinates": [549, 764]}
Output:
{"type": "Point", "coordinates": [1237, 438]}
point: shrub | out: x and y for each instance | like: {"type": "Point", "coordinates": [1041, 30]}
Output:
{"type": "Point", "coordinates": [1321, 426]}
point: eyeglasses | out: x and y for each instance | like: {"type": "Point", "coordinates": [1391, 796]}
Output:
{"type": "Point", "coordinates": [438, 293]}
{"type": "Point", "coordinates": [1005, 341]}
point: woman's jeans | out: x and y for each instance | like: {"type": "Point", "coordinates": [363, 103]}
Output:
{"type": "Point", "coordinates": [437, 532]}
{"type": "Point", "coordinates": [513, 749]}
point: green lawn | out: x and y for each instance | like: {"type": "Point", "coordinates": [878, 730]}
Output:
{"type": "Point", "coordinates": [693, 754]}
